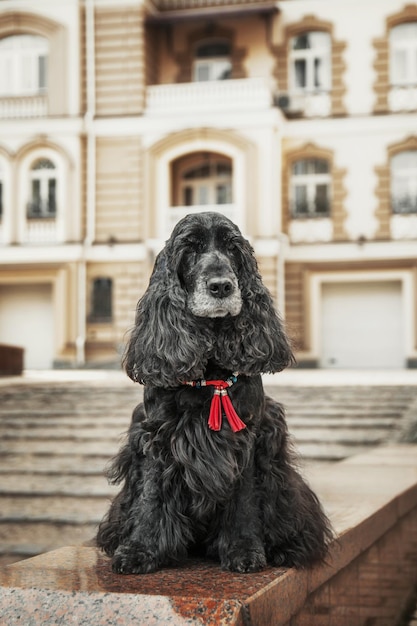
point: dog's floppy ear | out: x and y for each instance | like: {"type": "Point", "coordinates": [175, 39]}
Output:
{"type": "Point", "coordinates": [264, 345]}
{"type": "Point", "coordinates": [270, 347]}
{"type": "Point", "coordinates": [164, 349]}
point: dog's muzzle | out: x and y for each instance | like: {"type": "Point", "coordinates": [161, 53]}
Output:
{"type": "Point", "coordinates": [215, 291]}
{"type": "Point", "coordinates": [216, 297]}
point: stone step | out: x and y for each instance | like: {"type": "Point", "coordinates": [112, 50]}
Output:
{"type": "Point", "coordinates": [117, 433]}
{"type": "Point", "coordinates": [63, 433]}
{"type": "Point", "coordinates": [52, 411]}
{"type": "Point", "coordinates": [328, 408]}
{"type": "Point", "coordinates": [56, 485]}
{"type": "Point", "coordinates": [53, 464]}
{"type": "Point", "coordinates": [122, 422]}
{"type": "Point", "coordinates": [357, 391]}
{"type": "Point", "coordinates": [31, 538]}
{"type": "Point", "coordinates": [332, 411]}
{"type": "Point", "coordinates": [66, 447]}
{"type": "Point", "coordinates": [62, 509]}
{"type": "Point", "coordinates": [49, 421]}
{"type": "Point", "coordinates": [343, 435]}
{"type": "Point", "coordinates": [340, 422]}
{"type": "Point", "coordinates": [69, 396]}
{"type": "Point", "coordinates": [329, 451]}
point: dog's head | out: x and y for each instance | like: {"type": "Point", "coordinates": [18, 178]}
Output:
{"type": "Point", "coordinates": [205, 250]}
{"type": "Point", "coordinates": [205, 300]}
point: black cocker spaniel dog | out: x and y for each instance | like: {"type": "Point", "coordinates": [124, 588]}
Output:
{"type": "Point", "coordinates": [208, 465]}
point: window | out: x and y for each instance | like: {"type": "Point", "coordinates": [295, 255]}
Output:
{"type": "Point", "coordinates": [23, 65]}
{"type": "Point", "coordinates": [310, 62]}
{"type": "Point", "coordinates": [101, 300]}
{"type": "Point", "coordinates": [403, 54]}
{"type": "Point", "coordinates": [43, 186]}
{"type": "Point", "coordinates": [208, 182]}
{"type": "Point", "coordinates": [212, 62]}
{"type": "Point", "coordinates": [404, 182]}
{"type": "Point", "coordinates": [310, 188]}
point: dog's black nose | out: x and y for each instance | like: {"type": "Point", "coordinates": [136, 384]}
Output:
{"type": "Point", "coordinates": [220, 287]}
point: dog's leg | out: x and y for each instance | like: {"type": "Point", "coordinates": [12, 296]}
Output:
{"type": "Point", "coordinates": [138, 553]}
{"type": "Point", "coordinates": [239, 543]}
{"type": "Point", "coordinates": [158, 532]}
{"type": "Point", "coordinates": [299, 535]}
{"type": "Point", "coordinates": [295, 527]}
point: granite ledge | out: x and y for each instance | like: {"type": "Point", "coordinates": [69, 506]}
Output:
{"type": "Point", "coordinates": [364, 496]}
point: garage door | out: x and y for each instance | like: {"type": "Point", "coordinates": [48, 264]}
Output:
{"type": "Point", "coordinates": [26, 320]}
{"type": "Point", "coordinates": [361, 325]}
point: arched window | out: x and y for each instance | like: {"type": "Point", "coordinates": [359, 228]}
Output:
{"type": "Point", "coordinates": [310, 188]}
{"type": "Point", "coordinates": [43, 190]}
{"type": "Point", "coordinates": [23, 65]}
{"type": "Point", "coordinates": [310, 54]}
{"type": "Point", "coordinates": [404, 182]}
{"type": "Point", "coordinates": [207, 181]}
{"type": "Point", "coordinates": [212, 61]}
{"type": "Point", "coordinates": [101, 308]}
{"type": "Point", "coordinates": [403, 54]}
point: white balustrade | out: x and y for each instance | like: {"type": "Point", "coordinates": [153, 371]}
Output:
{"type": "Point", "coordinates": [23, 106]}
{"type": "Point", "coordinates": [310, 104]}
{"type": "Point", "coordinates": [198, 4]}
{"type": "Point", "coordinates": [404, 226]}
{"type": "Point", "coordinates": [41, 231]}
{"type": "Point", "coordinates": [221, 95]}
{"type": "Point", "coordinates": [312, 230]}
{"type": "Point", "coordinates": [403, 98]}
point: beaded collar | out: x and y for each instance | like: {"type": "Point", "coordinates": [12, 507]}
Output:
{"type": "Point", "coordinates": [220, 402]}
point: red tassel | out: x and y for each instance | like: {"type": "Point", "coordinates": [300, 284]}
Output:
{"type": "Point", "coordinates": [233, 418]}
{"type": "Point", "coordinates": [215, 416]}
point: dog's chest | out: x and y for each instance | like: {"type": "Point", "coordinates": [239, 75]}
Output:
{"type": "Point", "coordinates": [210, 463]}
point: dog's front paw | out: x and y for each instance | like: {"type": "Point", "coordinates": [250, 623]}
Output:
{"type": "Point", "coordinates": [244, 560]}
{"type": "Point", "coordinates": [133, 559]}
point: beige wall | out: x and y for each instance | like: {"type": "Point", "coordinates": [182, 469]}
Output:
{"type": "Point", "coordinates": [119, 61]}
{"type": "Point", "coordinates": [119, 210]}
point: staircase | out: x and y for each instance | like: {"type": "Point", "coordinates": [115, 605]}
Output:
{"type": "Point", "coordinates": [332, 423]}
{"type": "Point", "coordinates": [56, 438]}
{"type": "Point", "coordinates": [55, 441]}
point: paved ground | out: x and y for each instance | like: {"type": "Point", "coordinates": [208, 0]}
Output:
{"type": "Point", "coordinates": [59, 429]}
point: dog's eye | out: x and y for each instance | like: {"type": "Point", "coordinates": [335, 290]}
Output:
{"type": "Point", "coordinates": [195, 245]}
{"type": "Point", "coordinates": [230, 245]}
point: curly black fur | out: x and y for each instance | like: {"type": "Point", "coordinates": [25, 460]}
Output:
{"type": "Point", "coordinates": [235, 496]}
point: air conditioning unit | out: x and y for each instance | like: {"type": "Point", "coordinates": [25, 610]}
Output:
{"type": "Point", "coordinates": [290, 105]}
{"type": "Point", "coordinates": [282, 101]}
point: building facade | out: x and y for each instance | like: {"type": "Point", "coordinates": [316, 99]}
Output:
{"type": "Point", "coordinates": [295, 118]}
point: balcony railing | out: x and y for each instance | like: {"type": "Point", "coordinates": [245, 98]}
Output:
{"type": "Point", "coordinates": [307, 104]}
{"type": "Point", "coordinates": [23, 106]}
{"type": "Point", "coordinates": [317, 230]}
{"type": "Point", "coordinates": [403, 98]}
{"type": "Point", "coordinates": [174, 5]}
{"type": "Point", "coordinates": [221, 95]}
{"type": "Point", "coordinates": [403, 226]}
{"type": "Point", "coordinates": [42, 230]}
